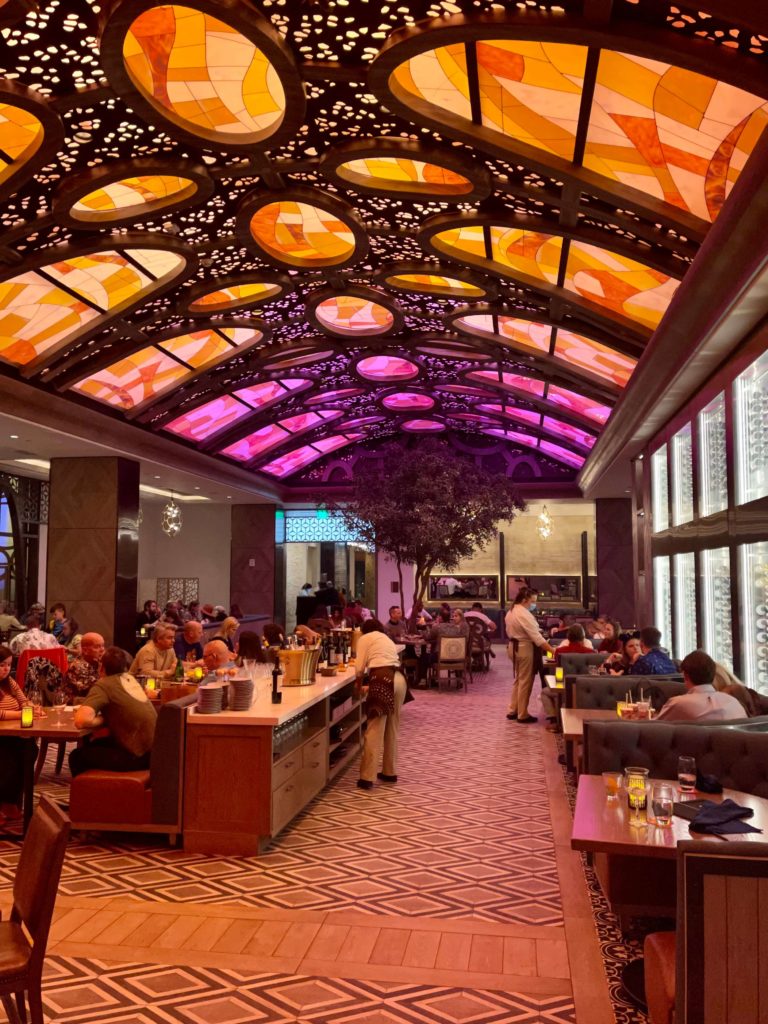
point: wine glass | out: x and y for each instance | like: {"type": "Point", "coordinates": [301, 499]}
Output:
{"type": "Point", "coordinates": [59, 701]}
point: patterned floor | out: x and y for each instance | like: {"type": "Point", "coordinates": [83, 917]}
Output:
{"type": "Point", "coordinates": [92, 992]}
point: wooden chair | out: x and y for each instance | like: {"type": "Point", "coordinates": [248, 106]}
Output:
{"type": "Point", "coordinates": [479, 646]}
{"type": "Point", "coordinates": [451, 660]}
{"type": "Point", "coordinates": [709, 969]}
{"type": "Point", "coordinates": [24, 936]}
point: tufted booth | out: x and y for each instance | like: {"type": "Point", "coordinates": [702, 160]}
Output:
{"type": "Point", "coordinates": [736, 753]}
{"type": "Point", "coordinates": [143, 801]}
{"type": "Point", "coordinates": [606, 691]}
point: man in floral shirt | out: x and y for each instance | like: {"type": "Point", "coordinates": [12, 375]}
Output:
{"type": "Point", "coordinates": [83, 672]}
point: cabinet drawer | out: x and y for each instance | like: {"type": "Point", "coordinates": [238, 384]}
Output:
{"type": "Point", "coordinates": [314, 776]}
{"type": "Point", "coordinates": [284, 769]}
{"type": "Point", "coordinates": [315, 750]}
{"type": "Point", "coordinates": [287, 801]}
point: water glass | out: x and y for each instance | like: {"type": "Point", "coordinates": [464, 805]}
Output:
{"type": "Point", "coordinates": [686, 774]}
{"type": "Point", "coordinates": [612, 782]}
{"type": "Point", "coordinates": [662, 802]}
{"type": "Point", "coordinates": [59, 706]}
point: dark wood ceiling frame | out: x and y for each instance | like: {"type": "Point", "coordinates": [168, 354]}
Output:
{"type": "Point", "coordinates": [311, 197]}
{"type": "Point", "coordinates": [387, 274]}
{"type": "Point", "coordinates": [115, 243]}
{"type": "Point", "coordinates": [187, 299]}
{"type": "Point", "coordinates": [50, 143]}
{"type": "Point", "coordinates": [72, 190]}
{"type": "Point", "coordinates": [119, 15]}
{"type": "Point", "coordinates": [12, 10]}
{"type": "Point", "coordinates": [478, 177]}
{"type": "Point", "coordinates": [697, 55]}
{"type": "Point", "coordinates": [721, 300]}
{"type": "Point", "coordinates": [375, 295]}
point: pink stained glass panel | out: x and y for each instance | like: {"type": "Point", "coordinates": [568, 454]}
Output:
{"type": "Point", "coordinates": [523, 415]}
{"type": "Point", "coordinates": [290, 462]}
{"type": "Point", "coordinates": [512, 435]}
{"type": "Point", "coordinates": [568, 432]}
{"type": "Point", "coordinates": [258, 395]}
{"type": "Point", "coordinates": [386, 368]}
{"type": "Point", "coordinates": [563, 454]}
{"type": "Point", "coordinates": [423, 426]}
{"type": "Point", "coordinates": [514, 381]}
{"type": "Point", "coordinates": [405, 401]}
{"type": "Point", "coordinates": [257, 443]}
{"type": "Point", "coordinates": [307, 420]}
{"type": "Point", "coordinates": [206, 420]}
{"type": "Point", "coordinates": [334, 396]}
{"type": "Point", "coordinates": [578, 404]}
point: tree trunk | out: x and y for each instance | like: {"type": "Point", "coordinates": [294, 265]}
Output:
{"type": "Point", "coordinates": [400, 584]}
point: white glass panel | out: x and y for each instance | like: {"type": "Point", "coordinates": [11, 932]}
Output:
{"type": "Point", "coordinates": [750, 401]}
{"type": "Point", "coordinates": [662, 599]}
{"type": "Point", "coordinates": [753, 560]}
{"type": "Point", "coordinates": [660, 490]}
{"type": "Point", "coordinates": [685, 605]}
{"type": "Point", "coordinates": [682, 477]}
{"type": "Point", "coordinates": [713, 481]}
{"type": "Point", "coordinates": [716, 597]}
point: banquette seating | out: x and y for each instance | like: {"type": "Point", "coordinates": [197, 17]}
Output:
{"type": "Point", "coordinates": [605, 691]}
{"type": "Point", "coordinates": [576, 664]}
{"type": "Point", "coordinates": [143, 801]}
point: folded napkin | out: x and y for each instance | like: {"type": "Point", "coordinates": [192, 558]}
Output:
{"type": "Point", "coordinates": [722, 819]}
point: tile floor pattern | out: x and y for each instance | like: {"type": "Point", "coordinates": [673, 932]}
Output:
{"type": "Point", "coordinates": [466, 833]}
{"type": "Point", "coordinates": [96, 992]}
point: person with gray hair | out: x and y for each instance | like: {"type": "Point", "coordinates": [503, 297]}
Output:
{"type": "Point", "coordinates": [157, 657]}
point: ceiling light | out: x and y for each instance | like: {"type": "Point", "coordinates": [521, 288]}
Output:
{"type": "Point", "coordinates": [160, 493]}
{"type": "Point", "coordinates": [544, 524]}
{"type": "Point", "coordinates": [14, 437]}
{"type": "Point", "coordinates": [37, 463]}
{"type": "Point", "coordinates": [171, 518]}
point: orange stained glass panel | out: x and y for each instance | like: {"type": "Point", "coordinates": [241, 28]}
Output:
{"type": "Point", "coordinates": [671, 133]}
{"type": "Point", "coordinates": [234, 295]}
{"type": "Point", "coordinates": [20, 136]}
{"type": "Point", "coordinates": [134, 380]}
{"type": "Point", "coordinates": [35, 316]}
{"type": "Point", "coordinates": [435, 284]}
{"type": "Point", "coordinates": [202, 347]}
{"type": "Point", "coordinates": [203, 73]}
{"type": "Point", "coordinates": [591, 355]}
{"type": "Point", "coordinates": [350, 314]}
{"type": "Point", "coordinates": [525, 332]}
{"type": "Point", "coordinates": [578, 404]}
{"type": "Point", "coordinates": [301, 234]}
{"type": "Point", "coordinates": [619, 283]}
{"type": "Point", "coordinates": [208, 419]}
{"type": "Point", "coordinates": [143, 190]}
{"type": "Point", "coordinates": [514, 251]}
{"type": "Point", "coordinates": [401, 171]}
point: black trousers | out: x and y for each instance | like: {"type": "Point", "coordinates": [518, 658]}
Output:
{"type": "Point", "coordinates": [106, 755]}
{"type": "Point", "coordinates": [14, 754]}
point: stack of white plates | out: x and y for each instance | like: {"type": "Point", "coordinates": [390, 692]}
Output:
{"type": "Point", "coordinates": [210, 698]}
{"type": "Point", "coordinates": [241, 694]}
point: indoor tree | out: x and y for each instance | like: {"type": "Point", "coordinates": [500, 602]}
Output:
{"type": "Point", "coordinates": [427, 506]}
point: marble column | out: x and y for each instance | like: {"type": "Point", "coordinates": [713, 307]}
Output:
{"type": "Point", "coordinates": [93, 544]}
{"type": "Point", "coordinates": [252, 559]}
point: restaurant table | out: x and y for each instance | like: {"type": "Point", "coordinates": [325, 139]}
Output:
{"type": "Point", "coordinates": [572, 721]}
{"type": "Point", "coordinates": [44, 728]}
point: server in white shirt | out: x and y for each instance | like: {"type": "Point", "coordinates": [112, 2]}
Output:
{"type": "Point", "coordinates": [377, 655]}
{"type": "Point", "coordinates": [525, 646]}
{"type": "Point", "coordinates": [701, 702]}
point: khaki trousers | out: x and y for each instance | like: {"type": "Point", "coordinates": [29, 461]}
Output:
{"type": "Point", "coordinates": [523, 684]}
{"type": "Point", "coordinates": [383, 729]}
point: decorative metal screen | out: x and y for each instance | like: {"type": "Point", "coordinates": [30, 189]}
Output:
{"type": "Point", "coordinates": [177, 588]}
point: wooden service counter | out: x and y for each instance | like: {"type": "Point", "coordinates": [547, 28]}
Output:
{"type": "Point", "coordinates": [248, 773]}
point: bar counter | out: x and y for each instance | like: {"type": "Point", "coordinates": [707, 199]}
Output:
{"type": "Point", "coordinates": [247, 774]}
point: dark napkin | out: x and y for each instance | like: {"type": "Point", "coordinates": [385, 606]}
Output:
{"type": "Point", "coordinates": [708, 783]}
{"type": "Point", "coordinates": [722, 819]}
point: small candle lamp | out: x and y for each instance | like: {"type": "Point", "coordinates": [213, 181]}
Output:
{"type": "Point", "coordinates": [559, 674]}
{"type": "Point", "coordinates": [151, 684]}
{"type": "Point", "coordinates": [198, 673]}
{"type": "Point", "coordinates": [143, 631]}
{"type": "Point", "coordinates": [27, 717]}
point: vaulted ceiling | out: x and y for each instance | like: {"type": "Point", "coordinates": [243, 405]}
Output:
{"type": "Point", "coordinates": [284, 232]}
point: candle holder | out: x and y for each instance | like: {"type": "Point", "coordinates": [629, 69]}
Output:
{"type": "Point", "coordinates": [27, 717]}
{"type": "Point", "coordinates": [559, 674]}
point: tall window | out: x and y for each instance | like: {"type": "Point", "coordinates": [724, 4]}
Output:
{"type": "Point", "coordinates": [716, 605]}
{"type": "Point", "coordinates": [685, 604]}
{"type": "Point", "coordinates": [713, 477]}
{"type": "Point", "coordinates": [660, 490]}
{"type": "Point", "coordinates": [682, 477]}
{"type": "Point", "coordinates": [7, 551]}
{"type": "Point", "coordinates": [662, 599]}
{"type": "Point", "coordinates": [750, 400]}
{"type": "Point", "coordinates": [754, 614]}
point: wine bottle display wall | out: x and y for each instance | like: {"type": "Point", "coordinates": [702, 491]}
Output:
{"type": "Point", "coordinates": [660, 489]}
{"type": "Point", "coordinates": [682, 477]}
{"type": "Point", "coordinates": [716, 595]}
{"type": "Point", "coordinates": [751, 401]}
{"type": "Point", "coordinates": [754, 575]}
{"type": "Point", "coordinates": [713, 492]}
{"type": "Point", "coordinates": [685, 604]}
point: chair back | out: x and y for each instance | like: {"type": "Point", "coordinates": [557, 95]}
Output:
{"type": "Point", "coordinates": [721, 927]}
{"type": "Point", "coordinates": [452, 648]}
{"type": "Point", "coordinates": [576, 664]}
{"type": "Point", "coordinates": [38, 873]}
{"type": "Point", "coordinates": [57, 655]}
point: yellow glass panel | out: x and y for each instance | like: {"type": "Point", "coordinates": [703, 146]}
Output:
{"type": "Point", "coordinates": [671, 133]}
{"type": "Point", "coordinates": [620, 284]}
{"type": "Point", "coordinates": [349, 314]}
{"type": "Point", "coordinates": [435, 284]}
{"type": "Point", "coordinates": [400, 171]}
{"type": "Point", "coordinates": [301, 234]}
{"type": "Point", "coordinates": [234, 295]}
{"type": "Point", "coordinates": [134, 380]}
{"type": "Point", "coordinates": [203, 72]}
{"type": "Point", "coordinates": [129, 192]}
{"type": "Point", "coordinates": [591, 355]}
{"type": "Point", "coordinates": [20, 136]}
{"type": "Point", "coordinates": [35, 316]}
{"type": "Point", "coordinates": [437, 76]}
{"type": "Point", "coordinates": [513, 250]}
{"type": "Point", "coordinates": [202, 347]}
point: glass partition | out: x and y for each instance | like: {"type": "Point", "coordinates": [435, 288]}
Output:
{"type": "Point", "coordinates": [753, 560]}
{"type": "Point", "coordinates": [716, 605]}
{"type": "Point", "coordinates": [682, 477]}
{"type": "Point", "coordinates": [662, 599]}
{"type": "Point", "coordinates": [750, 401]}
{"type": "Point", "coordinates": [685, 605]}
{"type": "Point", "coordinates": [660, 490]}
{"type": "Point", "coordinates": [713, 471]}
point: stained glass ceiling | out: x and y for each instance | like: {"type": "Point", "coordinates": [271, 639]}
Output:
{"type": "Point", "coordinates": [283, 234]}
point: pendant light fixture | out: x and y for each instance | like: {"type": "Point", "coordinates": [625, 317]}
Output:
{"type": "Point", "coordinates": [171, 518]}
{"type": "Point", "coordinates": [544, 524]}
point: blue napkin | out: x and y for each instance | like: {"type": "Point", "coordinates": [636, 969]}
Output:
{"type": "Point", "coordinates": [721, 819]}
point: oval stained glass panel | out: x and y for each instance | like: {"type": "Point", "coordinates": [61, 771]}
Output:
{"type": "Point", "coordinates": [352, 315]}
{"type": "Point", "coordinates": [120, 198]}
{"type": "Point", "coordinates": [234, 295]}
{"type": "Point", "coordinates": [404, 175]}
{"type": "Point", "coordinates": [20, 136]}
{"type": "Point", "coordinates": [435, 284]}
{"type": "Point", "coordinates": [407, 401]}
{"type": "Point", "coordinates": [387, 368]}
{"type": "Point", "coordinates": [302, 235]}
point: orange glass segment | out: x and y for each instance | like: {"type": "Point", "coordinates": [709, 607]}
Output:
{"type": "Point", "coordinates": [143, 190]}
{"type": "Point", "coordinates": [132, 381]}
{"type": "Point", "coordinates": [202, 347]}
{"type": "Point", "coordinates": [233, 296]}
{"type": "Point", "coordinates": [402, 172]}
{"type": "Point", "coordinates": [350, 314]}
{"type": "Point", "coordinates": [674, 134]}
{"type": "Point", "coordinates": [435, 284]}
{"type": "Point", "coordinates": [591, 355]}
{"type": "Point", "coordinates": [302, 235]}
{"type": "Point", "coordinates": [514, 251]}
{"type": "Point", "coordinates": [20, 136]}
{"type": "Point", "coordinates": [203, 73]}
